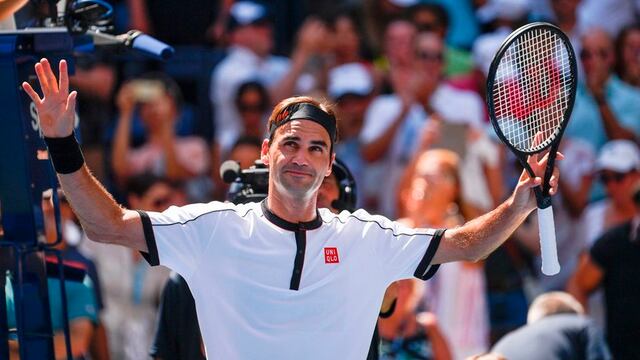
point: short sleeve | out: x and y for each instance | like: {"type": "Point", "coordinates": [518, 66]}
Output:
{"type": "Point", "coordinates": [603, 251]}
{"type": "Point", "coordinates": [81, 300]}
{"type": "Point", "coordinates": [177, 237]}
{"type": "Point", "coordinates": [402, 251]}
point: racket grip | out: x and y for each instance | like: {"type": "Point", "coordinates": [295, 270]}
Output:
{"type": "Point", "coordinates": [548, 248]}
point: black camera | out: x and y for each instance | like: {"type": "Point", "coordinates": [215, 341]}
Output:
{"type": "Point", "coordinates": [248, 185]}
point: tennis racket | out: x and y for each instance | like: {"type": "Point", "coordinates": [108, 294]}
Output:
{"type": "Point", "coordinates": [531, 87]}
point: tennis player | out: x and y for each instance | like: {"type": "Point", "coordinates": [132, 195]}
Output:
{"type": "Point", "coordinates": [277, 279]}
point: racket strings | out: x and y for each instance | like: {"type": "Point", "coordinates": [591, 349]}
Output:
{"type": "Point", "coordinates": [532, 89]}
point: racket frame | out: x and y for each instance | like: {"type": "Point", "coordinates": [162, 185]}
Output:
{"type": "Point", "coordinates": [543, 198]}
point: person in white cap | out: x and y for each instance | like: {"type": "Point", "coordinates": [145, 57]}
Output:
{"type": "Point", "coordinates": [351, 87]}
{"type": "Point", "coordinates": [613, 265]}
{"type": "Point", "coordinates": [618, 167]}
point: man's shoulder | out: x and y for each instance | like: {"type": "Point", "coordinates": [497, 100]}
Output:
{"type": "Point", "coordinates": [192, 212]}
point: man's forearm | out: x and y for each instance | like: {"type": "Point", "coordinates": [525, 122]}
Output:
{"type": "Point", "coordinates": [102, 218]}
{"type": "Point", "coordinates": [476, 239]}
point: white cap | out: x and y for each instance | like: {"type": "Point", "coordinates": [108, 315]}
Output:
{"type": "Point", "coordinates": [503, 9]}
{"type": "Point", "coordinates": [352, 78]}
{"type": "Point", "coordinates": [246, 12]}
{"type": "Point", "coordinates": [404, 3]}
{"type": "Point", "coordinates": [619, 155]}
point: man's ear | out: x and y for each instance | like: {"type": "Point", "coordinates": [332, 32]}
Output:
{"type": "Point", "coordinates": [333, 158]}
{"type": "Point", "coordinates": [264, 152]}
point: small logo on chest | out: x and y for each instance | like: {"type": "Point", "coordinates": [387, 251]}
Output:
{"type": "Point", "coordinates": [331, 255]}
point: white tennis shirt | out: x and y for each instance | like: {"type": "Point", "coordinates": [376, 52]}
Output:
{"type": "Point", "coordinates": [266, 288]}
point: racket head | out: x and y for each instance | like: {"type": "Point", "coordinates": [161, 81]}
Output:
{"type": "Point", "coordinates": [531, 88]}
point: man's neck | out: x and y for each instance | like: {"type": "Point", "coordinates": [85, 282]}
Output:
{"type": "Point", "coordinates": [294, 210]}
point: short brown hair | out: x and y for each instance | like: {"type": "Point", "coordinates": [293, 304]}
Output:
{"type": "Point", "coordinates": [279, 113]}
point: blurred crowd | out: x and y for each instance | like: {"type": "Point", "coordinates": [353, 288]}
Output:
{"type": "Point", "coordinates": [407, 78]}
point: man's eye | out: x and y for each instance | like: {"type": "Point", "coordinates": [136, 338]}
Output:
{"type": "Point", "coordinates": [317, 148]}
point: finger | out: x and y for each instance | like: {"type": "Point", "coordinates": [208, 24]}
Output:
{"type": "Point", "coordinates": [32, 93]}
{"type": "Point", "coordinates": [51, 78]}
{"type": "Point", "coordinates": [42, 78]}
{"type": "Point", "coordinates": [71, 103]}
{"type": "Point", "coordinates": [559, 156]}
{"type": "Point", "coordinates": [64, 77]}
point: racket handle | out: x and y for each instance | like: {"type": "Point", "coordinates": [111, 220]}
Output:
{"type": "Point", "coordinates": [548, 248]}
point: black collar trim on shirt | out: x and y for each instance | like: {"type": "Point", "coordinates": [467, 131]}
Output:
{"type": "Point", "coordinates": [287, 225]}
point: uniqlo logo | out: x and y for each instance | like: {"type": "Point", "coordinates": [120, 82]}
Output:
{"type": "Point", "coordinates": [331, 255]}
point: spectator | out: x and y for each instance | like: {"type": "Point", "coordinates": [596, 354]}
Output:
{"type": "Point", "coordinates": [610, 15]}
{"type": "Point", "coordinates": [618, 167]}
{"type": "Point", "coordinates": [157, 99]}
{"type": "Point", "coordinates": [351, 87]}
{"type": "Point", "coordinates": [378, 16]}
{"type": "Point", "coordinates": [628, 55]}
{"type": "Point", "coordinates": [249, 58]}
{"type": "Point", "coordinates": [434, 17]}
{"type": "Point", "coordinates": [433, 198]}
{"type": "Point", "coordinates": [81, 312]}
{"type": "Point", "coordinates": [348, 43]}
{"type": "Point", "coordinates": [132, 288]}
{"type": "Point", "coordinates": [69, 249]}
{"type": "Point", "coordinates": [177, 335]}
{"type": "Point", "coordinates": [392, 121]}
{"type": "Point", "coordinates": [408, 333]}
{"type": "Point", "coordinates": [605, 107]}
{"type": "Point", "coordinates": [246, 151]}
{"type": "Point", "coordinates": [81, 302]}
{"type": "Point", "coordinates": [396, 64]}
{"type": "Point", "coordinates": [252, 103]}
{"type": "Point", "coordinates": [556, 329]}
{"type": "Point", "coordinates": [613, 264]}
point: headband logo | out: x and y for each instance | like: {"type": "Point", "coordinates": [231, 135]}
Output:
{"type": "Point", "coordinates": [283, 115]}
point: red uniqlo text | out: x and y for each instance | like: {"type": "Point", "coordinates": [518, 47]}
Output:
{"type": "Point", "coordinates": [331, 255]}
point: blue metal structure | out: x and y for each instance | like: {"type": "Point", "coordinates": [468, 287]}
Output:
{"type": "Point", "coordinates": [25, 173]}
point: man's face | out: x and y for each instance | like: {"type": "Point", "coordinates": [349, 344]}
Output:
{"type": "Point", "coordinates": [619, 186]}
{"type": "Point", "coordinates": [158, 198]}
{"type": "Point", "coordinates": [597, 53]}
{"type": "Point", "coordinates": [398, 42]}
{"type": "Point", "coordinates": [328, 192]}
{"type": "Point", "coordinates": [258, 37]}
{"type": "Point", "coordinates": [429, 53]}
{"type": "Point", "coordinates": [298, 158]}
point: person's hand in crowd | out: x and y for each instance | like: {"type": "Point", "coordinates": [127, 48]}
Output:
{"type": "Point", "coordinates": [404, 84]}
{"type": "Point", "coordinates": [430, 133]}
{"type": "Point", "coordinates": [428, 82]}
{"type": "Point", "coordinates": [313, 37]}
{"type": "Point", "coordinates": [125, 100]}
{"type": "Point", "coordinates": [56, 109]}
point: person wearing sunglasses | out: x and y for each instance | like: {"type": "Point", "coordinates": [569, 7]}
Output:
{"type": "Point", "coordinates": [605, 108]}
{"type": "Point", "coordinates": [613, 265]}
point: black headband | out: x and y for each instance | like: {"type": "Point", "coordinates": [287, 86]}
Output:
{"type": "Point", "coordinates": [305, 111]}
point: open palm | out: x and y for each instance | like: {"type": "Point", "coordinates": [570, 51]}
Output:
{"type": "Point", "coordinates": [56, 109]}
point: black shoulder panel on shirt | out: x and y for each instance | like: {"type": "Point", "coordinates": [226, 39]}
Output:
{"type": "Point", "coordinates": [152, 255]}
{"type": "Point", "coordinates": [424, 271]}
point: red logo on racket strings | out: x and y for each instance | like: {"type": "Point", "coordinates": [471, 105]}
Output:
{"type": "Point", "coordinates": [521, 106]}
{"type": "Point", "coordinates": [331, 255]}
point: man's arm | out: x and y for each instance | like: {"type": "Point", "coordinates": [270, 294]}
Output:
{"type": "Point", "coordinates": [9, 7]}
{"type": "Point", "coordinates": [80, 331]}
{"type": "Point", "coordinates": [585, 280]}
{"type": "Point", "coordinates": [102, 218]}
{"type": "Point", "coordinates": [476, 239]}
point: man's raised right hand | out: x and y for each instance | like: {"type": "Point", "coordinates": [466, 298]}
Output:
{"type": "Point", "coordinates": [56, 110]}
